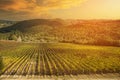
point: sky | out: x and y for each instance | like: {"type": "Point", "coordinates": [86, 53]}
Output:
{"type": "Point", "coordinates": [65, 9]}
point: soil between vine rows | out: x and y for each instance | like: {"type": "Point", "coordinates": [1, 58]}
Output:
{"type": "Point", "coordinates": [48, 60]}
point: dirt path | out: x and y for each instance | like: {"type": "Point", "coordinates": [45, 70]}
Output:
{"type": "Point", "coordinates": [66, 77]}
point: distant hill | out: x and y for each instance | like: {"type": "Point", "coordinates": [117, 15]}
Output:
{"type": "Point", "coordinates": [93, 32]}
{"type": "Point", "coordinates": [24, 26]}
{"type": "Point", "coordinates": [6, 23]}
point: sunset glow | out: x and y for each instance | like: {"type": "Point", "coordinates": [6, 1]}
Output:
{"type": "Point", "coordinates": [66, 9]}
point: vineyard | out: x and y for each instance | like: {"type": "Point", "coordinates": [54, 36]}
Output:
{"type": "Point", "coordinates": [58, 59]}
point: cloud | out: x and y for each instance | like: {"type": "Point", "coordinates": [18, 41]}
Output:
{"type": "Point", "coordinates": [14, 5]}
{"type": "Point", "coordinates": [29, 7]}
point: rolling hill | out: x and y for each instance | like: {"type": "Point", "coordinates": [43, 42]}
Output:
{"type": "Point", "coordinates": [25, 25]}
{"type": "Point", "coordinates": [93, 32]}
{"type": "Point", "coordinates": [6, 23]}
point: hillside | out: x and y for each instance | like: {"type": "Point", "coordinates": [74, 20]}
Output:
{"type": "Point", "coordinates": [93, 32]}
{"type": "Point", "coordinates": [6, 23]}
{"type": "Point", "coordinates": [24, 26]}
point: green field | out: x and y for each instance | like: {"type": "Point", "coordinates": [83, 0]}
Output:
{"type": "Point", "coordinates": [58, 59]}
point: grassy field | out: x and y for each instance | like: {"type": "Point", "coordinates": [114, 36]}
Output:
{"type": "Point", "coordinates": [58, 59]}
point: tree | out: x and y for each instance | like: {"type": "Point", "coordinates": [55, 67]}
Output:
{"type": "Point", "coordinates": [13, 37]}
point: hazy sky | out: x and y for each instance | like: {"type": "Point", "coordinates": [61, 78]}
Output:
{"type": "Point", "coordinates": [66, 9]}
